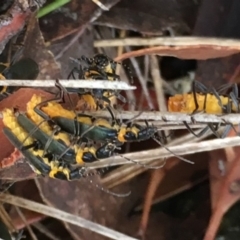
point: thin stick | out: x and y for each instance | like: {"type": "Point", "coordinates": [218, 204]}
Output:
{"type": "Point", "coordinates": [81, 83]}
{"type": "Point", "coordinates": [174, 118]}
{"type": "Point", "coordinates": [163, 125]}
{"type": "Point", "coordinates": [176, 126]}
{"type": "Point", "coordinates": [166, 120]}
{"type": "Point", "coordinates": [171, 126]}
{"type": "Point", "coordinates": [63, 216]}
{"type": "Point", "coordinates": [170, 41]}
{"type": "Point", "coordinates": [179, 150]}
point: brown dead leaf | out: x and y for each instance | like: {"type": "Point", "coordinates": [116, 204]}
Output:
{"type": "Point", "coordinates": [228, 193]}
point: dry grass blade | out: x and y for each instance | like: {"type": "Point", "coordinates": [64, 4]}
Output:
{"type": "Point", "coordinates": [72, 41]}
{"type": "Point", "coordinates": [31, 233]}
{"type": "Point", "coordinates": [141, 79]}
{"type": "Point", "coordinates": [6, 219]}
{"type": "Point", "coordinates": [41, 228]}
{"type": "Point", "coordinates": [169, 41]}
{"type": "Point", "coordinates": [63, 216]}
{"type": "Point", "coordinates": [80, 83]}
{"type": "Point", "coordinates": [102, 6]}
{"type": "Point", "coordinates": [158, 83]}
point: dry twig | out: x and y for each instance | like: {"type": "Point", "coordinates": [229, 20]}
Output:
{"type": "Point", "coordinates": [169, 118]}
{"type": "Point", "coordinates": [80, 83]}
{"type": "Point", "coordinates": [179, 150]}
{"type": "Point", "coordinates": [142, 81]}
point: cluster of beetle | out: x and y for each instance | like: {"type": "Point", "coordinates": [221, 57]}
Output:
{"type": "Point", "coordinates": [207, 100]}
{"type": "Point", "coordinates": [203, 99]}
{"type": "Point", "coordinates": [58, 142]}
